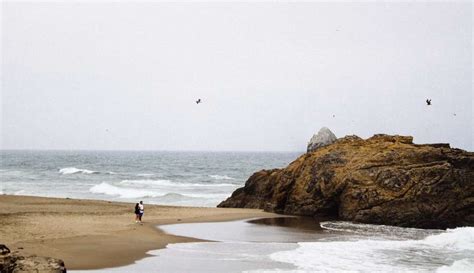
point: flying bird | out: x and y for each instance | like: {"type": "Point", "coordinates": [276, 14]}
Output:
{"type": "Point", "coordinates": [428, 101]}
{"type": "Point", "coordinates": [198, 101]}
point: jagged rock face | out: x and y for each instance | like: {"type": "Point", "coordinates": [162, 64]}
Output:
{"type": "Point", "coordinates": [12, 262]}
{"type": "Point", "coordinates": [323, 138]}
{"type": "Point", "coordinates": [381, 180]}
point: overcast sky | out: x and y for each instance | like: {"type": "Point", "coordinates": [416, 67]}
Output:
{"type": "Point", "coordinates": [124, 76]}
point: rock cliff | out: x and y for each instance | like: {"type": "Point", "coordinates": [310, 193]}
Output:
{"type": "Point", "coordinates": [12, 262]}
{"type": "Point", "coordinates": [381, 180]}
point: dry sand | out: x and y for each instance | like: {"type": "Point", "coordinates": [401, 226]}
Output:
{"type": "Point", "coordinates": [91, 234]}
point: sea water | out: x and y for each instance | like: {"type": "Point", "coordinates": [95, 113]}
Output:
{"type": "Point", "coordinates": [335, 246]}
{"type": "Point", "coordinates": [170, 178]}
{"type": "Point", "coordinates": [205, 179]}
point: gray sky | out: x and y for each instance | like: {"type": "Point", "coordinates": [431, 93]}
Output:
{"type": "Point", "coordinates": [125, 75]}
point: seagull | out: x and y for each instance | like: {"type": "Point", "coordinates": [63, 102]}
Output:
{"type": "Point", "coordinates": [428, 101]}
{"type": "Point", "coordinates": [198, 101]}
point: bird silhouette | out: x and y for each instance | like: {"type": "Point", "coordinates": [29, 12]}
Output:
{"type": "Point", "coordinates": [198, 101]}
{"type": "Point", "coordinates": [428, 101]}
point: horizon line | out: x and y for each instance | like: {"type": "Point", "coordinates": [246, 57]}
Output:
{"type": "Point", "coordinates": [151, 150]}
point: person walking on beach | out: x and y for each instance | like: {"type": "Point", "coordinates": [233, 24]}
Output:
{"type": "Point", "coordinates": [141, 211]}
{"type": "Point", "coordinates": [137, 212]}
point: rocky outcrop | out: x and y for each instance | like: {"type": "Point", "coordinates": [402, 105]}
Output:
{"type": "Point", "coordinates": [323, 138]}
{"type": "Point", "coordinates": [382, 180]}
{"type": "Point", "coordinates": [12, 262]}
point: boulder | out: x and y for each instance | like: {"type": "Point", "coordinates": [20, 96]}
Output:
{"type": "Point", "coordinates": [4, 250]}
{"type": "Point", "coordinates": [13, 262]}
{"type": "Point", "coordinates": [381, 180]}
{"type": "Point", "coordinates": [323, 138]}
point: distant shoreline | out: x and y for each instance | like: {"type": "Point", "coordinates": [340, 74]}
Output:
{"type": "Point", "coordinates": [94, 234]}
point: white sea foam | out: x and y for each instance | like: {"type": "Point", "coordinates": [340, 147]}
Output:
{"type": "Point", "coordinates": [461, 238]}
{"type": "Point", "coordinates": [72, 174]}
{"type": "Point", "coordinates": [377, 254]}
{"type": "Point", "coordinates": [145, 174]}
{"type": "Point", "coordinates": [185, 196]}
{"type": "Point", "coordinates": [169, 183]}
{"type": "Point", "coordinates": [221, 177]}
{"type": "Point", "coordinates": [126, 192]}
{"type": "Point", "coordinates": [107, 189]}
{"type": "Point", "coordinates": [463, 265]}
{"type": "Point", "coordinates": [72, 170]}
{"type": "Point", "coordinates": [383, 231]}
{"type": "Point", "coordinates": [202, 257]}
{"type": "Point", "coordinates": [159, 182]}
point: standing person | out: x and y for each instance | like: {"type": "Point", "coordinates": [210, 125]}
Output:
{"type": "Point", "coordinates": [142, 210]}
{"type": "Point", "coordinates": [137, 212]}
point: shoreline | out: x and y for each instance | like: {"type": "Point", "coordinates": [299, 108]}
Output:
{"type": "Point", "coordinates": [94, 234]}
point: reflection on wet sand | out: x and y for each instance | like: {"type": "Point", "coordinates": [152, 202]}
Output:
{"type": "Point", "coordinates": [303, 224]}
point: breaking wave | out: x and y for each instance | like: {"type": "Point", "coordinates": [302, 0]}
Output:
{"type": "Point", "coordinates": [463, 265]}
{"type": "Point", "coordinates": [107, 189]}
{"type": "Point", "coordinates": [126, 192]}
{"type": "Point", "coordinates": [383, 231]}
{"type": "Point", "coordinates": [72, 170]}
{"type": "Point", "coordinates": [169, 183]}
{"type": "Point", "coordinates": [221, 177]}
{"type": "Point", "coordinates": [449, 251]}
{"type": "Point", "coordinates": [145, 174]}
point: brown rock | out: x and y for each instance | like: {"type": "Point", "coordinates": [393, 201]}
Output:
{"type": "Point", "coordinates": [12, 263]}
{"type": "Point", "coordinates": [4, 250]}
{"type": "Point", "coordinates": [382, 180]}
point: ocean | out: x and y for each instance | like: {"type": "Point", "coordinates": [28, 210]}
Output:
{"type": "Point", "coordinates": [205, 179]}
{"type": "Point", "coordinates": [274, 245]}
{"type": "Point", "coordinates": [169, 178]}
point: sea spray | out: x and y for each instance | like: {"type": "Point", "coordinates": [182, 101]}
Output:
{"type": "Point", "coordinates": [375, 252]}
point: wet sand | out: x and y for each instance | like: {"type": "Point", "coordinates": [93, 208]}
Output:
{"type": "Point", "coordinates": [92, 234]}
{"type": "Point", "coordinates": [236, 246]}
{"type": "Point", "coordinates": [285, 229]}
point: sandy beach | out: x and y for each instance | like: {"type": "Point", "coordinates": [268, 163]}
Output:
{"type": "Point", "coordinates": [92, 234]}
